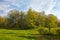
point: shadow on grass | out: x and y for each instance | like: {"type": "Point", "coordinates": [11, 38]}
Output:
{"type": "Point", "coordinates": [48, 37]}
{"type": "Point", "coordinates": [28, 37]}
{"type": "Point", "coordinates": [42, 37]}
{"type": "Point", "coordinates": [17, 28]}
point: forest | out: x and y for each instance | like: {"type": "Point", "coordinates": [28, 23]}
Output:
{"type": "Point", "coordinates": [19, 20]}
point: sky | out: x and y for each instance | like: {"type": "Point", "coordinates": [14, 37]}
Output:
{"type": "Point", "coordinates": [49, 6]}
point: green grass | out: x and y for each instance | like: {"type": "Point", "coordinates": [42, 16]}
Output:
{"type": "Point", "coordinates": [17, 34]}
{"type": "Point", "coordinates": [6, 34]}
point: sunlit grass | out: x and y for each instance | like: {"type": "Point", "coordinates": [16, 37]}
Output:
{"type": "Point", "coordinates": [16, 34]}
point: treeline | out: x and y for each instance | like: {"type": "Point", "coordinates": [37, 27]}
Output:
{"type": "Point", "coordinates": [28, 20]}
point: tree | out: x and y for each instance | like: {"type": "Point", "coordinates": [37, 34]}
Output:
{"type": "Point", "coordinates": [21, 20]}
{"type": "Point", "coordinates": [13, 17]}
{"type": "Point", "coordinates": [42, 18]}
{"type": "Point", "coordinates": [31, 18]}
{"type": "Point", "coordinates": [51, 21]}
{"type": "Point", "coordinates": [3, 22]}
{"type": "Point", "coordinates": [58, 23]}
{"type": "Point", "coordinates": [16, 19]}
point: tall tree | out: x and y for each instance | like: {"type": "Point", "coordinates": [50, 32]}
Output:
{"type": "Point", "coordinates": [3, 22]}
{"type": "Point", "coordinates": [13, 17]}
{"type": "Point", "coordinates": [42, 18]}
{"type": "Point", "coordinates": [31, 18]}
{"type": "Point", "coordinates": [51, 21]}
{"type": "Point", "coordinates": [22, 20]}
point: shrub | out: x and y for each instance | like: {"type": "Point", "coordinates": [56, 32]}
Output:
{"type": "Point", "coordinates": [43, 31]}
{"type": "Point", "coordinates": [53, 31]}
{"type": "Point", "coordinates": [58, 31]}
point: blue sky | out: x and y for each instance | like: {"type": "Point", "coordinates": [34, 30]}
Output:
{"type": "Point", "coordinates": [49, 6]}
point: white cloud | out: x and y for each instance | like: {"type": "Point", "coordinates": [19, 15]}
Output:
{"type": "Point", "coordinates": [4, 9]}
{"type": "Point", "coordinates": [51, 6]}
{"type": "Point", "coordinates": [7, 5]}
{"type": "Point", "coordinates": [39, 5]}
{"type": "Point", "coordinates": [17, 3]}
{"type": "Point", "coordinates": [56, 9]}
{"type": "Point", "coordinates": [4, 6]}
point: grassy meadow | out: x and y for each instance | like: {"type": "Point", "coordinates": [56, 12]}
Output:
{"type": "Point", "coordinates": [33, 34]}
{"type": "Point", "coordinates": [17, 34]}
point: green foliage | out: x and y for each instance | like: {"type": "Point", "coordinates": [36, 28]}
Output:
{"type": "Point", "coordinates": [41, 19]}
{"type": "Point", "coordinates": [3, 22]}
{"type": "Point", "coordinates": [58, 31]}
{"type": "Point", "coordinates": [13, 16]}
{"type": "Point", "coordinates": [51, 21]}
{"type": "Point", "coordinates": [53, 31]}
{"type": "Point", "coordinates": [30, 20]}
{"type": "Point", "coordinates": [58, 23]}
{"type": "Point", "coordinates": [43, 31]}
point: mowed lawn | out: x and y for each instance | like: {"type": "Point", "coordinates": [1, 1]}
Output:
{"type": "Point", "coordinates": [6, 34]}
